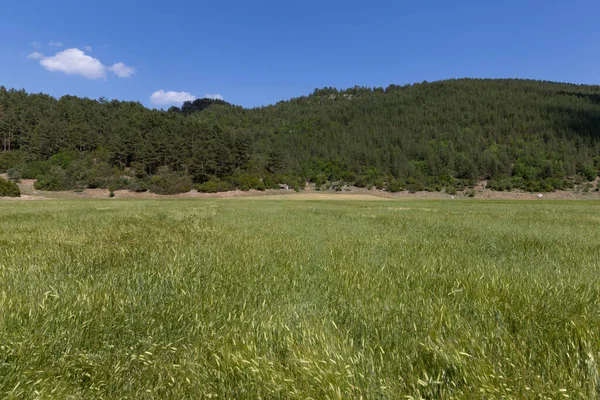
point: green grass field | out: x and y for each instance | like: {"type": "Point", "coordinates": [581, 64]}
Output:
{"type": "Point", "coordinates": [257, 298]}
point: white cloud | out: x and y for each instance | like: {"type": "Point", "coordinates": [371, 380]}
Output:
{"type": "Point", "coordinates": [36, 45]}
{"type": "Point", "coordinates": [213, 96]}
{"type": "Point", "coordinates": [36, 55]}
{"type": "Point", "coordinates": [74, 62]}
{"type": "Point", "coordinates": [87, 48]}
{"type": "Point", "coordinates": [160, 97]}
{"type": "Point", "coordinates": [56, 44]}
{"type": "Point", "coordinates": [122, 70]}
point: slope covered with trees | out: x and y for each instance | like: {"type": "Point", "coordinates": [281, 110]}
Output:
{"type": "Point", "coordinates": [532, 135]}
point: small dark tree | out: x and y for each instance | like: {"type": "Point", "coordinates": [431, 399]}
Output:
{"type": "Point", "coordinates": [274, 162]}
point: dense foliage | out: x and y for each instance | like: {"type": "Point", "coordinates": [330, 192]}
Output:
{"type": "Point", "coordinates": [531, 135]}
{"type": "Point", "coordinates": [9, 189]}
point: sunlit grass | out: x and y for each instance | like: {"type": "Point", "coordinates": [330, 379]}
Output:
{"type": "Point", "coordinates": [277, 299]}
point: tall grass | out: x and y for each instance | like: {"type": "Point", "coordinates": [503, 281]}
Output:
{"type": "Point", "coordinates": [192, 299]}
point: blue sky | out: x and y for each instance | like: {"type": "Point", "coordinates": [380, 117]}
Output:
{"type": "Point", "coordinates": [255, 53]}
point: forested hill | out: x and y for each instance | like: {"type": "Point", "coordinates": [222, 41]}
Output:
{"type": "Point", "coordinates": [523, 134]}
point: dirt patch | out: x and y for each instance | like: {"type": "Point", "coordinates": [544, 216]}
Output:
{"type": "Point", "coordinates": [28, 192]}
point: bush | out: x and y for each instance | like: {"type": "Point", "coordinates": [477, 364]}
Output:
{"type": "Point", "coordinates": [9, 189]}
{"type": "Point", "coordinates": [56, 179]}
{"type": "Point", "coordinates": [435, 187]}
{"type": "Point", "coordinates": [379, 183]}
{"type": "Point", "coordinates": [501, 185]}
{"type": "Point", "coordinates": [118, 183]}
{"type": "Point", "coordinates": [451, 190]}
{"type": "Point", "coordinates": [396, 186]}
{"type": "Point", "coordinates": [97, 175]}
{"type": "Point", "coordinates": [10, 159]}
{"type": "Point", "coordinates": [63, 158]}
{"type": "Point", "coordinates": [348, 177]}
{"type": "Point", "coordinates": [245, 182]}
{"type": "Point", "coordinates": [588, 172]}
{"type": "Point", "coordinates": [170, 183]}
{"type": "Point", "coordinates": [139, 185]}
{"type": "Point", "coordinates": [138, 170]}
{"type": "Point", "coordinates": [587, 187]}
{"type": "Point", "coordinates": [338, 186]}
{"type": "Point", "coordinates": [414, 187]}
{"type": "Point", "coordinates": [272, 181]}
{"type": "Point", "coordinates": [14, 175]}
{"type": "Point", "coordinates": [320, 181]}
{"type": "Point", "coordinates": [560, 184]}
{"type": "Point", "coordinates": [213, 187]}
{"type": "Point", "coordinates": [362, 181]}
{"type": "Point", "coordinates": [470, 193]}
{"type": "Point", "coordinates": [33, 169]}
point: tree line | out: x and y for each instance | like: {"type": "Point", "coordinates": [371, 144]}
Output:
{"type": "Point", "coordinates": [447, 135]}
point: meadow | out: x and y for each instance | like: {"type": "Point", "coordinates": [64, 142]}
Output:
{"type": "Point", "coordinates": [277, 299]}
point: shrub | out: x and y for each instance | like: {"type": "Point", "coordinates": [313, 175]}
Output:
{"type": "Point", "coordinates": [9, 189]}
{"type": "Point", "coordinates": [138, 170]}
{"type": "Point", "coordinates": [208, 187]}
{"type": "Point", "coordinates": [10, 159]}
{"type": "Point", "coordinates": [139, 185]}
{"type": "Point", "coordinates": [97, 175]}
{"type": "Point", "coordinates": [294, 182]}
{"type": "Point", "coordinates": [33, 169]}
{"type": "Point", "coordinates": [213, 187]}
{"type": "Point", "coordinates": [502, 184]}
{"type": "Point", "coordinates": [362, 181]}
{"type": "Point", "coordinates": [451, 190]}
{"type": "Point", "coordinates": [380, 183]}
{"type": "Point", "coordinates": [586, 188]}
{"type": "Point", "coordinates": [470, 193]}
{"type": "Point", "coordinates": [559, 184]}
{"type": "Point", "coordinates": [272, 181]}
{"type": "Point", "coordinates": [54, 180]}
{"type": "Point", "coordinates": [63, 158]}
{"type": "Point", "coordinates": [348, 177]}
{"type": "Point", "coordinates": [588, 172]}
{"type": "Point", "coordinates": [414, 187]}
{"type": "Point", "coordinates": [460, 184]}
{"type": "Point", "coordinates": [435, 187]}
{"type": "Point", "coordinates": [170, 183]}
{"type": "Point", "coordinates": [338, 186]}
{"type": "Point", "coordinates": [396, 186]}
{"type": "Point", "coordinates": [320, 181]}
{"type": "Point", "coordinates": [14, 175]}
{"type": "Point", "coordinates": [118, 183]}
{"type": "Point", "coordinates": [245, 181]}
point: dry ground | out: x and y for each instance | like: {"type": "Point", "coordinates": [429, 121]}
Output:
{"type": "Point", "coordinates": [30, 193]}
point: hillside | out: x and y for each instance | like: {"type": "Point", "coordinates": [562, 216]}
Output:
{"type": "Point", "coordinates": [531, 135]}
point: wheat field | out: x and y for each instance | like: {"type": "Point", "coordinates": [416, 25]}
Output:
{"type": "Point", "coordinates": [272, 299]}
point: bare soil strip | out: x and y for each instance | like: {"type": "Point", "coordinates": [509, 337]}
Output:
{"type": "Point", "coordinates": [28, 192]}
